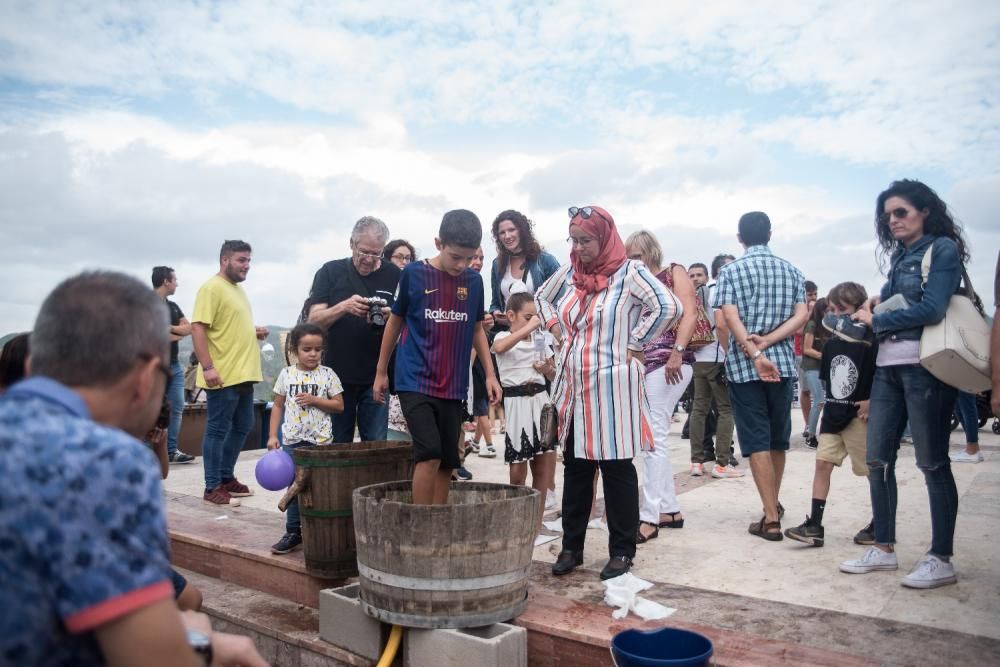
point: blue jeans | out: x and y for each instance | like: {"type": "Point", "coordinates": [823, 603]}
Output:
{"type": "Point", "coordinates": [898, 393]}
{"type": "Point", "coordinates": [968, 414]}
{"type": "Point", "coordinates": [229, 419]}
{"type": "Point", "coordinates": [371, 418]}
{"type": "Point", "coordinates": [175, 394]}
{"type": "Point", "coordinates": [815, 389]}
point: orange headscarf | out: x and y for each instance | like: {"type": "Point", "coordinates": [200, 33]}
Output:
{"type": "Point", "coordinates": [594, 276]}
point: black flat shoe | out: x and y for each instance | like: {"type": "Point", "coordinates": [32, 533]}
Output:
{"type": "Point", "coordinates": [674, 521]}
{"type": "Point", "coordinates": [640, 538]}
{"type": "Point", "coordinates": [567, 562]}
{"type": "Point", "coordinates": [617, 566]}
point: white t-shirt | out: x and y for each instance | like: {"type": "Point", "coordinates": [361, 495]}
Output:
{"type": "Point", "coordinates": [711, 352]}
{"type": "Point", "coordinates": [898, 352]}
{"type": "Point", "coordinates": [511, 285]}
{"type": "Point", "coordinates": [306, 424]}
{"type": "Point", "coordinates": [515, 364]}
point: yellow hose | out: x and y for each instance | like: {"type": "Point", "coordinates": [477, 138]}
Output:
{"type": "Point", "coordinates": [391, 646]}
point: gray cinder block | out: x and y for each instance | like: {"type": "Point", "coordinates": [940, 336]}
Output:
{"type": "Point", "coordinates": [344, 624]}
{"type": "Point", "coordinates": [499, 645]}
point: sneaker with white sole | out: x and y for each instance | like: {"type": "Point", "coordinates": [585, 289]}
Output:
{"type": "Point", "coordinates": [551, 502]}
{"type": "Point", "coordinates": [930, 572]}
{"type": "Point", "coordinates": [471, 446]}
{"type": "Point", "coordinates": [697, 469]}
{"type": "Point", "coordinates": [965, 457]}
{"type": "Point", "coordinates": [872, 560]}
{"type": "Point", "coordinates": [487, 452]}
{"type": "Point", "coordinates": [728, 472]}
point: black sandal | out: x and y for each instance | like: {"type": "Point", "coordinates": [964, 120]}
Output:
{"type": "Point", "coordinates": [674, 521]}
{"type": "Point", "coordinates": [640, 538]}
{"type": "Point", "coordinates": [764, 527]}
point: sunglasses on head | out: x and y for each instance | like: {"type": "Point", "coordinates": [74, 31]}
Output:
{"type": "Point", "coordinates": [899, 213]}
{"type": "Point", "coordinates": [586, 212]}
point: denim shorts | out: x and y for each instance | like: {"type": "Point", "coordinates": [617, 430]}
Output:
{"type": "Point", "coordinates": [480, 407]}
{"type": "Point", "coordinates": [763, 414]}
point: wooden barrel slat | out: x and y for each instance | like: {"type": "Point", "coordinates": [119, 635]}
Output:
{"type": "Point", "coordinates": [325, 505]}
{"type": "Point", "coordinates": [484, 535]}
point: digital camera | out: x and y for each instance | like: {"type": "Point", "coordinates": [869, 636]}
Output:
{"type": "Point", "coordinates": [375, 306]}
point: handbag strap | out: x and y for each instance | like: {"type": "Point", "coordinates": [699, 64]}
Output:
{"type": "Point", "coordinates": [925, 272]}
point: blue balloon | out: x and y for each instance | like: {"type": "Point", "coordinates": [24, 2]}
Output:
{"type": "Point", "coordinates": [275, 470]}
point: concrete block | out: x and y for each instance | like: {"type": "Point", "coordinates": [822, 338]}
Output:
{"type": "Point", "coordinates": [344, 624]}
{"type": "Point", "coordinates": [497, 645]}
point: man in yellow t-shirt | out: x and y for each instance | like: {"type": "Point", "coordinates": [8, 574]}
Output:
{"type": "Point", "coordinates": [225, 342]}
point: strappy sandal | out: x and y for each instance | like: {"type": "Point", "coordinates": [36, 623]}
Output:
{"type": "Point", "coordinates": [764, 528]}
{"type": "Point", "coordinates": [640, 538]}
{"type": "Point", "coordinates": [674, 521]}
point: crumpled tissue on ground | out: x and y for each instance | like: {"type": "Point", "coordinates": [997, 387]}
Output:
{"type": "Point", "coordinates": [621, 592]}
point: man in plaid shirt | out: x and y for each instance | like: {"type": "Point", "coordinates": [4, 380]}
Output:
{"type": "Point", "coordinates": [762, 298]}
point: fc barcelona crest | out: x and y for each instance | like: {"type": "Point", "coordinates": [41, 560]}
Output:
{"type": "Point", "coordinates": [463, 293]}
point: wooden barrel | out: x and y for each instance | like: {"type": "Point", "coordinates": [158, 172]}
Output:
{"type": "Point", "coordinates": [326, 476]}
{"type": "Point", "coordinates": [458, 565]}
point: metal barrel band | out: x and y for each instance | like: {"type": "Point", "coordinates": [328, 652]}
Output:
{"type": "Point", "coordinates": [427, 584]}
{"type": "Point", "coordinates": [325, 514]}
{"type": "Point", "coordinates": [344, 558]}
{"type": "Point", "coordinates": [309, 463]}
{"type": "Point", "coordinates": [435, 622]}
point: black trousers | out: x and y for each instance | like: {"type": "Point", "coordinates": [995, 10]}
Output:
{"type": "Point", "coordinates": [621, 501]}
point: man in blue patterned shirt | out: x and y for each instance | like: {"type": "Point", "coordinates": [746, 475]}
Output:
{"type": "Point", "coordinates": [84, 562]}
{"type": "Point", "coordinates": [762, 298]}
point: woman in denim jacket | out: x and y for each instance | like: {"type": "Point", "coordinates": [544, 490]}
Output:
{"type": "Point", "coordinates": [521, 264]}
{"type": "Point", "coordinates": [911, 219]}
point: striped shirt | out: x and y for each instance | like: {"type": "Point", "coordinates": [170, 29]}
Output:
{"type": "Point", "coordinates": [764, 289]}
{"type": "Point", "coordinates": [595, 385]}
{"type": "Point", "coordinates": [440, 313]}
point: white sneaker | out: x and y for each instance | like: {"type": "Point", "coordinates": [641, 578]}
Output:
{"type": "Point", "coordinates": [472, 446]}
{"type": "Point", "coordinates": [697, 469]}
{"type": "Point", "coordinates": [729, 472]}
{"type": "Point", "coordinates": [965, 457]}
{"type": "Point", "coordinates": [487, 452]}
{"type": "Point", "coordinates": [930, 572]}
{"type": "Point", "coordinates": [874, 559]}
{"type": "Point", "coordinates": [597, 524]}
{"type": "Point", "coordinates": [551, 502]}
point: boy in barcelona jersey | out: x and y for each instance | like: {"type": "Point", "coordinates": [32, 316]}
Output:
{"type": "Point", "coordinates": [436, 318]}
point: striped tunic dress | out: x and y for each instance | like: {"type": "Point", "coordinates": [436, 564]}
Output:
{"type": "Point", "coordinates": [595, 385]}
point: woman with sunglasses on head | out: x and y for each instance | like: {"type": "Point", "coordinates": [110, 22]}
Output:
{"type": "Point", "coordinates": [520, 265]}
{"type": "Point", "coordinates": [910, 221]}
{"type": "Point", "coordinates": [608, 307]}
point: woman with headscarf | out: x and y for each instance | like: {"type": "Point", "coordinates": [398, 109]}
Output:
{"type": "Point", "coordinates": [598, 300]}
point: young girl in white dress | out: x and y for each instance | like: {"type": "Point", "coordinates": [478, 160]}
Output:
{"type": "Point", "coordinates": [523, 373]}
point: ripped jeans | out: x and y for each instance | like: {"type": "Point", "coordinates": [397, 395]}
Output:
{"type": "Point", "coordinates": [898, 393]}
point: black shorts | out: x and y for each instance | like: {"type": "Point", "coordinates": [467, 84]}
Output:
{"type": "Point", "coordinates": [435, 427]}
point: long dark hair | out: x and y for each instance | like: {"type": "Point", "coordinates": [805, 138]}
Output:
{"type": "Point", "coordinates": [528, 242]}
{"type": "Point", "coordinates": [938, 222]}
{"type": "Point", "coordinates": [12, 358]}
{"type": "Point", "coordinates": [816, 317]}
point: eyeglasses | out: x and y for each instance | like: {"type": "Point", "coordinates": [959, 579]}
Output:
{"type": "Point", "coordinates": [369, 256]}
{"type": "Point", "coordinates": [163, 367]}
{"type": "Point", "coordinates": [405, 259]}
{"type": "Point", "coordinates": [586, 212]}
{"type": "Point", "coordinates": [899, 213]}
{"type": "Point", "coordinates": [583, 240]}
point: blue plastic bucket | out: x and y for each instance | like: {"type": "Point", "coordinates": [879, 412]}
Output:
{"type": "Point", "coordinates": [666, 647]}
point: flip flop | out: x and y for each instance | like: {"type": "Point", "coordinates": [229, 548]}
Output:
{"type": "Point", "coordinates": [674, 521]}
{"type": "Point", "coordinates": [640, 538]}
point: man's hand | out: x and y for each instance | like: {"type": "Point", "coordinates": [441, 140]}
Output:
{"type": "Point", "coordinates": [761, 342]}
{"type": "Point", "coordinates": [354, 305]}
{"type": "Point", "coordinates": [261, 332]}
{"type": "Point", "coordinates": [212, 378]}
{"type": "Point", "coordinates": [863, 316]}
{"type": "Point", "coordinates": [673, 367]}
{"type": "Point", "coordinates": [766, 369]}
{"type": "Point", "coordinates": [492, 389]}
{"type": "Point", "coordinates": [863, 410]}
{"type": "Point", "coordinates": [305, 399]}
{"type": "Point", "coordinates": [380, 387]}
{"type": "Point", "coordinates": [488, 322]}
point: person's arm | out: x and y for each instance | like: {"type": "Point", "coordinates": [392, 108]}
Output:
{"type": "Point", "coordinates": [942, 281]}
{"type": "Point", "coordinates": [324, 314]}
{"type": "Point", "coordinates": [547, 368]}
{"type": "Point", "coordinates": [482, 347]}
{"type": "Point", "coordinates": [180, 330]}
{"type": "Point", "coordinates": [786, 329]}
{"type": "Point", "coordinates": [152, 636]}
{"type": "Point", "coordinates": [389, 339]}
{"type": "Point", "coordinates": [765, 368]}
{"type": "Point", "coordinates": [548, 295]}
{"type": "Point", "coordinates": [277, 412]}
{"type": "Point", "coordinates": [684, 291]}
{"type": "Point", "coordinates": [199, 336]}
{"type": "Point", "coordinates": [665, 310]}
{"type": "Point", "coordinates": [324, 403]}
{"type": "Point", "coordinates": [158, 441]}
{"type": "Point", "coordinates": [808, 339]}
{"type": "Point", "coordinates": [503, 344]}
{"type": "Point", "coordinates": [721, 329]}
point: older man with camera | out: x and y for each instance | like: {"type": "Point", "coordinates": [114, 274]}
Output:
{"type": "Point", "coordinates": [350, 298]}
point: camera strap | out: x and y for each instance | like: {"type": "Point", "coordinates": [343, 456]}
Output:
{"type": "Point", "coordinates": [355, 280]}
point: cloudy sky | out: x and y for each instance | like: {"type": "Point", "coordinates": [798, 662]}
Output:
{"type": "Point", "coordinates": [143, 133]}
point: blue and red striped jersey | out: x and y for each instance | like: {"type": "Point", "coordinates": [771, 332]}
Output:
{"type": "Point", "coordinates": [440, 313]}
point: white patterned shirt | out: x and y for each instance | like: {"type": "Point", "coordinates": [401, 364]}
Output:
{"type": "Point", "coordinates": [307, 423]}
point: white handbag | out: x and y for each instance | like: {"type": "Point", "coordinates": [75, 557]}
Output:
{"type": "Point", "coordinates": [956, 350]}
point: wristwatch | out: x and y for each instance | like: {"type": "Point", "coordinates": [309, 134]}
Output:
{"type": "Point", "coordinates": [201, 645]}
{"type": "Point", "coordinates": [679, 347]}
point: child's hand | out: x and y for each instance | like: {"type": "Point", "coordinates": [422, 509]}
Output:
{"type": "Point", "coordinates": [545, 367]}
{"type": "Point", "coordinates": [863, 407]}
{"type": "Point", "coordinates": [272, 443]}
{"type": "Point", "coordinates": [493, 390]}
{"type": "Point", "coordinates": [380, 387]}
{"type": "Point", "coordinates": [306, 399]}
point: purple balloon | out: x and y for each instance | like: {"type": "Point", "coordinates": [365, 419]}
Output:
{"type": "Point", "coordinates": [275, 470]}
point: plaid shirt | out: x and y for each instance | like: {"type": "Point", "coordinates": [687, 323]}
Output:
{"type": "Point", "coordinates": [764, 289]}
